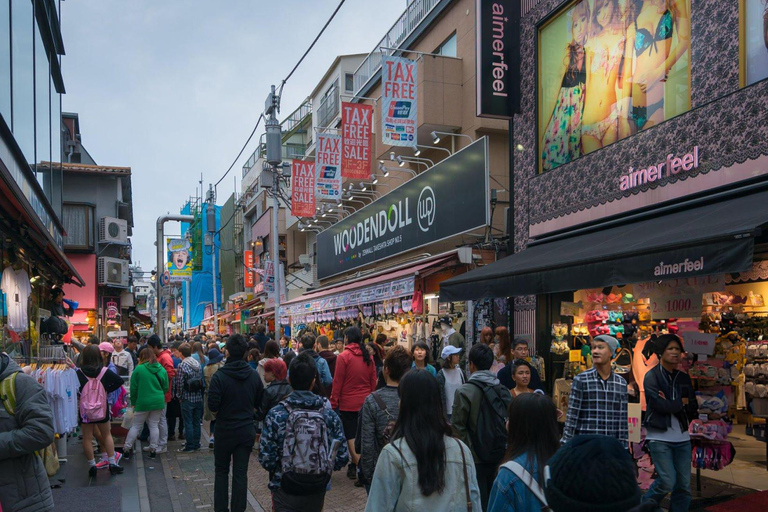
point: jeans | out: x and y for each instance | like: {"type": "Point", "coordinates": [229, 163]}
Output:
{"type": "Point", "coordinates": [284, 502]}
{"type": "Point", "coordinates": [173, 411]}
{"type": "Point", "coordinates": [192, 412]}
{"type": "Point", "coordinates": [225, 450]}
{"type": "Point", "coordinates": [673, 464]}
{"type": "Point", "coordinates": [162, 428]}
{"type": "Point", "coordinates": [486, 474]}
{"type": "Point", "coordinates": [152, 419]}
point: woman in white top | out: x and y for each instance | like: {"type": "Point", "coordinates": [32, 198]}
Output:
{"type": "Point", "coordinates": [450, 377]}
{"type": "Point", "coordinates": [423, 467]}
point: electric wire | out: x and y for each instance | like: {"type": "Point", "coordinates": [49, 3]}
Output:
{"type": "Point", "coordinates": [241, 149]}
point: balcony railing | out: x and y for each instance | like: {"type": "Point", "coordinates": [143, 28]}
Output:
{"type": "Point", "coordinates": [297, 117]}
{"type": "Point", "coordinates": [414, 14]}
{"type": "Point", "coordinates": [329, 108]}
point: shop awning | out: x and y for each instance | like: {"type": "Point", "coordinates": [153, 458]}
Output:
{"type": "Point", "coordinates": [714, 238]}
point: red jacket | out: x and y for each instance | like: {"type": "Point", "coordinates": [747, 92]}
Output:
{"type": "Point", "coordinates": [165, 360]}
{"type": "Point", "coordinates": [353, 381]}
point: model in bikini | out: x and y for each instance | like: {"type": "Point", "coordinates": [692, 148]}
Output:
{"type": "Point", "coordinates": [651, 52]}
{"type": "Point", "coordinates": [561, 142]}
{"type": "Point", "coordinates": [604, 51]}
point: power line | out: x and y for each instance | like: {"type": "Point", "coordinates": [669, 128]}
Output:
{"type": "Point", "coordinates": [241, 149]}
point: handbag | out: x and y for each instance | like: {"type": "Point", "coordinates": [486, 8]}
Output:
{"type": "Point", "coordinates": [50, 459]}
{"type": "Point", "coordinates": [128, 418]}
{"type": "Point", "coordinates": [466, 478]}
{"type": "Point", "coordinates": [622, 364]}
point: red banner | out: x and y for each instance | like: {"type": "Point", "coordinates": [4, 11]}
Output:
{"type": "Point", "coordinates": [303, 189]}
{"type": "Point", "coordinates": [357, 145]}
{"type": "Point", "coordinates": [248, 272]}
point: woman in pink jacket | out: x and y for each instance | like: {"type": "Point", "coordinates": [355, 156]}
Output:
{"type": "Point", "coordinates": [354, 380]}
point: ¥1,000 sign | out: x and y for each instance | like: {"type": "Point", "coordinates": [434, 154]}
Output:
{"type": "Point", "coordinates": [449, 199]}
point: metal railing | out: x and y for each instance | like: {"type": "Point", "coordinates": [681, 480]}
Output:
{"type": "Point", "coordinates": [329, 108]}
{"type": "Point", "coordinates": [297, 116]}
{"type": "Point", "coordinates": [414, 14]}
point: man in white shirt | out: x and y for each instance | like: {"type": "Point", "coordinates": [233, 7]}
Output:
{"type": "Point", "coordinates": [122, 359]}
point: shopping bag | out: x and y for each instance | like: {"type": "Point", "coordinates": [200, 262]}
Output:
{"type": "Point", "coordinates": [50, 458]}
{"type": "Point", "coordinates": [128, 418]}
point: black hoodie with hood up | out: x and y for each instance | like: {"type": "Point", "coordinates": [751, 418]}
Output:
{"type": "Point", "coordinates": [234, 395]}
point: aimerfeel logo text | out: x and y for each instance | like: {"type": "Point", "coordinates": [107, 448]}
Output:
{"type": "Point", "coordinates": [668, 269]}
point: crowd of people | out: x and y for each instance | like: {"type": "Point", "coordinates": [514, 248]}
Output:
{"type": "Point", "coordinates": [414, 433]}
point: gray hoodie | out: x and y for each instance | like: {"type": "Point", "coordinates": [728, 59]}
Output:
{"type": "Point", "coordinates": [24, 485]}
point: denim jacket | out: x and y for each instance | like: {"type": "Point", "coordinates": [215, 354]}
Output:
{"type": "Point", "coordinates": [395, 485]}
{"type": "Point", "coordinates": [510, 494]}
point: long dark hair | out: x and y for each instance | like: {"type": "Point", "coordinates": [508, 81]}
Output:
{"type": "Point", "coordinates": [532, 430]}
{"type": "Point", "coordinates": [91, 358]}
{"type": "Point", "coordinates": [354, 335]}
{"type": "Point", "coordinates": [271, 350]}
{"type": "Point", "coordinates": [422, 424]}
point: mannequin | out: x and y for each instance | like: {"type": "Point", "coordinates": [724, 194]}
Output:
{"type": "Point", "coordinates": [451, 337]}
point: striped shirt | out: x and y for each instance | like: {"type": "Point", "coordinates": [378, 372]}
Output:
{"type": "Point", "coordinates": [597, 406]}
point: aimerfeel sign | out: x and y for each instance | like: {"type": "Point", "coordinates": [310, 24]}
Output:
{"type": "Point", "coordinates": [446, 200]}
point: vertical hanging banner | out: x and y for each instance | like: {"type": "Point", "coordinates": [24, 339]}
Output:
{"type": "Point", "coordinates": [328, 166]}
{"type": "Point", "coordinates": [302, 188]}
{"type": "Point", "coordinates": [357, 145]}
{"type": "Point", "coordinates": [498, 58]}
{"type": "Point", "coordinates": [248, 272]}
{"type": "Point", "coordinates": [179, 260]}
{"type": "Point", "coordinates": [269, 272]}
{"type": "Point", "coordinates": [398, 110]}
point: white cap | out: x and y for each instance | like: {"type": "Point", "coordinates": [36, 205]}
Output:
{"type": "Point", "coordinates": [448, 351]}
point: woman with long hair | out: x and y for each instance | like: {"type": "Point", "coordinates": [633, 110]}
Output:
{"type": "Point", "coordinates": [424, 466]}
{"type": "Point", "coordinates": [533, 438]}
{"type": "Point", "coordinates": [503, 353]}
{"type": "Point", "coordinates": [486, 336]}
{"type": "Point", "coordinates": [92, 367]}
{"type": "Point", "coordinates": [148, 384]}
{"type": "Point", "coordinates": [450, 377]}
{"type": "Point", "coordinates": [199, 354]}
{"type": "Point", "coordinates": [354, 380]}
{"type": "Point", "coordinates": [271, 351]}
{"type": "Point", "coordinates": [420, 354]}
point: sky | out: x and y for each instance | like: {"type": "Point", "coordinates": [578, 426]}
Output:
{"type": "Point", "coordinates": [173, 88]}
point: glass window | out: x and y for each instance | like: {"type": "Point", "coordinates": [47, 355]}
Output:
{"type": "Point", "coordinates": [42, 101]}
{"type": "Point", "coordinates": [755, 41]}
{"type": "Point", "coordinates": [448, 48]}
{"type": "Point", "coordinates": [22, 38]}
{"type": "Point", "coordinates": [349, 82]}
{"type": "Point", "coordinates": [55, 124]}
{"type": "Point", "coordinates": [78, 223]}
{"type": "Point", "coordinates": [5, 61]}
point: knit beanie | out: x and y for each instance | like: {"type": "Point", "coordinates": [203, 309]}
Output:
{"type": "Point", "coordinates": [661, 343]}
{"type": "Point", "coordinates": [592, 473]}
{"type": "Point", "coordinates": [611, 341]}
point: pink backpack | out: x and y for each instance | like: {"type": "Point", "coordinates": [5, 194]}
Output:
{"type": "Point", "coordinates": [93, 399]}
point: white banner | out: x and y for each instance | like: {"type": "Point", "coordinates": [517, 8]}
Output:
{"type": "Point", "coordinates": [328, 166]}
{"type": "Point", "coordinates": [398, 110]}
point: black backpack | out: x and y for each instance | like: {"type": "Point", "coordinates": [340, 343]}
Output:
{"type": "Point", "coordinates": [490, 438]}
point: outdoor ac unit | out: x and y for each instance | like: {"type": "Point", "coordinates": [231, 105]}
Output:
{"type": "Point", "coordinates": [113, 230]}
{"type": "Point", "coordinates": [113, 272]}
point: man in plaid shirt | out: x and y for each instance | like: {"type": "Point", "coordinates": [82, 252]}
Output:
{"type": "Point", "coordinates": [598, 402]}
{"type": "Point", "coordinates": [188, 388]}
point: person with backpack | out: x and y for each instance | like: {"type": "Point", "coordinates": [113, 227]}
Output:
{"type": "Point", "coordinates": [148, 385]}
{"type": "Point", "coordinates": [278, 387]}
{"type": "Point", "coordinates": [325, 379]}
{"type": "Point", "coordinates": [533, 438]}
{"type": "Point", "coordinates": [450, 377]}
{"type": "Point", "coordinates": [26, 426]}
{"type": "Point", "coordinates": [96, 382]}
{"type": "Point", "coordinates": [479, 417]}
{"type": "Point", "coordinates": [355, 379]}
{"type": "Point", "coordinates": [423, 467]}
{"type": "Point", "coordinates": [189, 388]}
{"type": "Point", "coordinates": [380, 411]}
{"type": "Point", "coordinates": [302, 443]}
{"type": "Point", "coordinates": [215, 359]}
{"type": "Point", "coordinates": [235, 392]}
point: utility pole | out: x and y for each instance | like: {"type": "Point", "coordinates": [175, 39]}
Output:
{"type": "Point", "coordinates": [161, 269]}
{"type": "Point", "coordinates": [211, 241]}
{"type": "Point", "coordinates": [275, 161]}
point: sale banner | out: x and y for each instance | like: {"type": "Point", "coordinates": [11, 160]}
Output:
{"type": "Point", "coordinates": [398, 110]}
{"type": "Point", "coordinates": [302, 188]}
{"type": "Point", "coordinates": [248, 270]}
{"type": "Point", "coordinates": [357, 145]}
{"type": "Point", "coordinates": [676, 306]}
{"type": "Point", "coordinates": [328, 166]}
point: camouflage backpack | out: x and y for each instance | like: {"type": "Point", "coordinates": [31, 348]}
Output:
{"type": "Point", "coordinates": [306, 462]}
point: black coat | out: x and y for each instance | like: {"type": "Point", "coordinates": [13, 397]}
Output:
{"type": "Point", "coordinates": [234, 394]}
{"type": "Point", "coordinates": [676, 386]}
{"type": "Point", "coordinates": [274, 393]}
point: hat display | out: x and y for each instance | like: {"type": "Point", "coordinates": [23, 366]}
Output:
{"type": "Point", "coordinates": [106, 347]}
{"type": "Point", "coordinates": [448, 351]}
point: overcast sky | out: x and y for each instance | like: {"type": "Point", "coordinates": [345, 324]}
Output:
{"type": "Point", "coordinates": [173, 88]}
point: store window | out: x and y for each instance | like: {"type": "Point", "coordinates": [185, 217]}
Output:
{"type": "Point", "coordinates": [754, 44]}
{"type": "Point", "coordinates": [448, 48]}
{"type": "Point", "coordinates": [607, 70]}
{"type": "Point", "coordinates": [349, 82]}
{"type": "Point", "coordinates": [78, 221]}
{"type": "Point", "coordinates": [5, 61]}
{"type": "Point", "coordinates": [23, 66]}
{"type": "Point", "coordinates": [55, 124]}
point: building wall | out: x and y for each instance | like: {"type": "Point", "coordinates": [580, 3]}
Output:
{"type": "Point", "coordinates": [227, 249]}
{"type": "Point", "coordinates": [201, 287]}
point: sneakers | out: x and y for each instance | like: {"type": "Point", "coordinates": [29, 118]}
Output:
{"type": "Point", "coordinates": [352, 472]}
{"type": "Point", "coordinates": [146, 448]}
{"type": "Point", "coordinates": [181, 437]}
{"type": "Point", "coordinates": [359, 483]}
{"type": "Point", "coordinates": [127, 454]}
{"type": "Point", "coordinates": [162, 449]}
{"type": "Point", "coordinates": [114, 469]}
{"type": "Point", "coordinates": [118, 457]}
{"type": "Point", "coordinates": [102, 464]}
{"type": "Point", "coordinates": [171, 438]}
{"type": "Point", "coordinates": [152, 454]}
{"type": "Point", "coordinates": [210, 443]}
{"type": "Point", "coordinates": [188, 450]}
{"type": "Point", "coordinates": [92, 471]}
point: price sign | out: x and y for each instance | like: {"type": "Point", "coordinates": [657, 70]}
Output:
{"type": "Point", "coordinates": [699, 342]}
{"type": "Point", "coordinates": [676, 306]}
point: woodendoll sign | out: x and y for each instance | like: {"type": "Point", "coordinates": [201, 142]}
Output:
{"type": "Point", "coordinates": [498, 58]}
{"type": "Point", "coordinates": [448, 199]}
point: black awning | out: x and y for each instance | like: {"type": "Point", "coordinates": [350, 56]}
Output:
{"type": "Point", "coordinates": [711, 239]}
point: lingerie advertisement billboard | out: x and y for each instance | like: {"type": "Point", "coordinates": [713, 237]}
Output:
{"type": "Point", "coordinates": [609, 69]}
{"type": "Point", "coordinates": [419, 212]}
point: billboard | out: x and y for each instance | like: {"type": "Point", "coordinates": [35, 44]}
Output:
{"type": "Point", "coordinates": [328, 166]}
{"type": "Point", "coordinates": [398, 110]}
{"type": "Point", "coordinates": [609, 69]}
{"type": "Point", "coordinates": [417, 213]}
{"type": "Point", "coordinates": [498, 58]}
{"type": "Point", "coordinates": [357, 144]}
{"type": "Point", "coordinates": [302, 188]}
{"type": "Point", "coordinates": [179, 260]}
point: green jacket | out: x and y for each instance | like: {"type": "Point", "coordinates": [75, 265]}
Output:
{"type": "Point", "coordinates": [148, 385]}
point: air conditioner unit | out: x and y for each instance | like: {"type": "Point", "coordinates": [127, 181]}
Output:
{"type": "Point", "coordinates": [113, 272]}
{"type": "Point", "coordinates": [113, 230]}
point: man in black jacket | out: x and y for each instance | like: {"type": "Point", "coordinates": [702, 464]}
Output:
{"type": "Point", "coordinates": [670, 405]}
{"type": "Point", "coordinates": [234, 394]}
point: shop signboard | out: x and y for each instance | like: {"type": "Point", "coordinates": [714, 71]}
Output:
{"type": "Point", "coordinates": [111, 309]}
{"type": "Point", "coordinates": [398, 110]}
{"type": "Point", "coordinates": [179, 260]}
{"type": "Point", "coordinates": [328, 166]}
{"type": "Point", "coordinates": [676, 306]}
{"type": "Point", "coordinates": [399, 288]}
{"type": "Point", "coordinates": [498, 58]}
{"type": "Point", "coordinates": [357, 144]}
{"type": "Point", "coordinates": [449, 199]}
{"type": "Point", "coordinates": [270, 276]}
{"type": "Point", "coordinates": [302, 188]}
{"type": "Point", "coordinates": [699, 342]}
{"type": "Point", "coordinates": [248, 273]}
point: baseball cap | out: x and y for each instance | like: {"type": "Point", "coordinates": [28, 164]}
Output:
{"type": "Point", "coordinates": [106, 347]}
{"type": "Point", "coordinates": [448, 351]}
